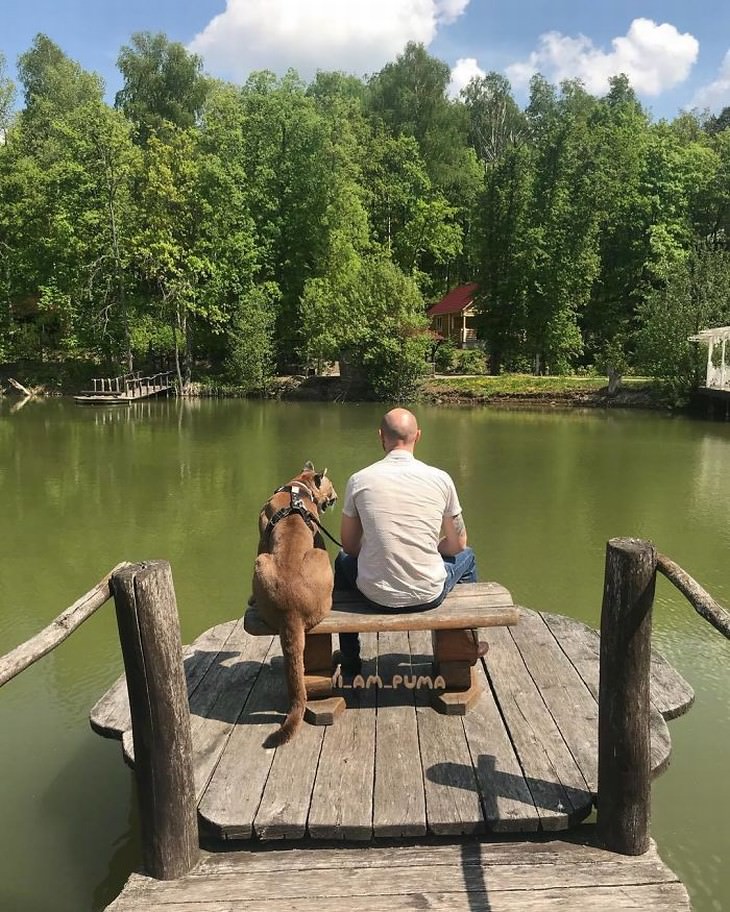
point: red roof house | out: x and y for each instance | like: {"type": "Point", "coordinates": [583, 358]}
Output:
{"type": "Point", "coordinates": [454, 316]}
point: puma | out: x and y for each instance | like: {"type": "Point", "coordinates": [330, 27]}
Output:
{"type": "Point", "coordinates": [293, 580]}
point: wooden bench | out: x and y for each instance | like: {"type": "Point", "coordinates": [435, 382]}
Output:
{"type": "Point", "coordinates": [453, 626]}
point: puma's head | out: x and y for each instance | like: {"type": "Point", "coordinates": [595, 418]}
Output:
{"type": "Point", "coordinates": [320, 486]}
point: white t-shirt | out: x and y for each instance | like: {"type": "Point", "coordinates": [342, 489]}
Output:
{"type": "Point", "coordinates": [401, 503]}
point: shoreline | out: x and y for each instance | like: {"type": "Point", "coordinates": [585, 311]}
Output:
{"type": "Point", "coordinates": [507, 391]}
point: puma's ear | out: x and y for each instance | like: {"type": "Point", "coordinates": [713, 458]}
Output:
{"type": "Point", "coordinates": [324, 472]}
{"type": "Point", "coordinates": [308, 467]}
{"type": "Point", "coordinates": [318, 480]}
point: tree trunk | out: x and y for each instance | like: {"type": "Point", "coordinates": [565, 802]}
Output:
{"type": "Point", "coordinates": [614, 380]}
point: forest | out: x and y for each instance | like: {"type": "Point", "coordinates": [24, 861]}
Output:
{"type": "Point", "coordinates": [237, 231]}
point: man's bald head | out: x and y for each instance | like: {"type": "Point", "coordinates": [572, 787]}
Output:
{"type": "Point", "coordinates": [399, 429]}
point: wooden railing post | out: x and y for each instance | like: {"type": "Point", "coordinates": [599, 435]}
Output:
{"type": "Point", "coordinates": [149, 632]}
{"type": "Point", "coordinates": [624, 759]}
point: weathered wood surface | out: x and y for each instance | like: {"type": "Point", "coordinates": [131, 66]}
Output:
{"type": "Point", "coordinates": [469, 605]}
{"type": "Point", "coordinates": [522, 759]}
{"type": "Point", "coordinates": [149, 634]}
{"type": "Point", "coordinates": [468, 876]}
{"type": "Point", "coordinates": [701, 600]}
{"type": "Point", "coordinates": [342, 798]}
{"type": "Point", "coordinates": [57, 631]}
{"type": "Point", "coordinates": [624, 700]}
{"type": "Point", "coordinates": [399, 806]}
{"type": "Point", "coordinates": [110, 715]}
{"type": "Point", "coordinates": [670, 693]}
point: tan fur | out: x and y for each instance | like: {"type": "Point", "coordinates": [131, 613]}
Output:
{"type": "Point", "coordinates": [292, 585]}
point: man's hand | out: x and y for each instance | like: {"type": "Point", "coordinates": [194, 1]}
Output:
{"type": "Point", "coordinates": [351, 534]}
{"type": "Point", "coordinates": [454, 535]}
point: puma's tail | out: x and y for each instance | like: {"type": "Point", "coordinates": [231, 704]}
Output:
{"type": "Point", "coordinates": [291, 634]}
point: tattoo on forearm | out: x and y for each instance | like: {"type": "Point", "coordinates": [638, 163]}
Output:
{"type": "Point", "coordinates": [459, 523]}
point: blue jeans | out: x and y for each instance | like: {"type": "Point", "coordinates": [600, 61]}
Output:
{"type": "Point", "coordinates": [461, 568]}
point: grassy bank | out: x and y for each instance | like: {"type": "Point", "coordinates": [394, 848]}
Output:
{"type": "Point", "coordinates": [526, 389]}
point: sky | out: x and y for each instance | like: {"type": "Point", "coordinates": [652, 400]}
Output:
{"type": "Point", "coordinates": [676, 52]}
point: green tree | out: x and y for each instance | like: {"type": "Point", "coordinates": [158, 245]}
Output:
{"type": "Point", "coordinates": [53, 86]}
{"type": "Point", "coordinates": [163, 84]}
{"type": "Point", "coordinates": [496, 123]}
{"type": "Point", "coordinates": [694, 297]}
{"type": "Point", "coordinates": [7, 97]}
{"type": "Point", "coordinates": [373, 320]}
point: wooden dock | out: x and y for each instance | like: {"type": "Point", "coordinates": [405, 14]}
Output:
{"type": "Point", "coordinates": [396, 806]}
{"type": "Point", "coordinates": [126, 388]}
{"type": "Point", "coordinates": [523, 759]}
{"type": "Point", "coordinates": [464, 876]}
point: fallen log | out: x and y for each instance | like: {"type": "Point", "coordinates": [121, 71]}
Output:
{"type": "Point", "coordinates": [20, 388]}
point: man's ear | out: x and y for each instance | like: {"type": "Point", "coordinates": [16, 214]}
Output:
{"type": "Point", "coordinates": [308, 467]}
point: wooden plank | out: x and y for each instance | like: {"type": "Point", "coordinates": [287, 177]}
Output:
{"type": "Point", "coordinates": [235, 789]}
{"type": "Point", "coordinates": [453, 806]}
{"type": "Point", "coordinates": [110, 715]}
{"type": "Point", "coordinates": [506, 799]}
{"type": "Point", "coordinates": [503, 877]}
{"type": "Point", "coordinates": [217, 701]}
{"type": "Point", "coordinates": [399, 805]}
{"type": "Point", "coordinates": [342, 799]}
{"type": "Point", "coordinates": [670, 692]}
{"type": "Point", "coordinates": [467, 853]}
{"type": "Point", "coordinates": [582, 646]}
{"type": "Point", "coordinates": [571, 703]}
{"type": "Point", "coordinates": [670, 897]}
{"type": "Point", "coordinates": [555, 781]}
{"type": "Point", "coordinates": [287, 795]}
{"type": "Point", "coordinates": [399, 880]}
{"type": "Point", "coordinates": [472, 612]}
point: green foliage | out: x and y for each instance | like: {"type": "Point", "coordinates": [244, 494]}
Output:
{"type": "Point", "coordinates": [444, 357]}
{"type": "Point", "coordinates": [163, 84]}
{"type": "Point", "coordinates": [694, 297]}
{"type": "Point", "coordinates": [374, 317]}
{"type": "Point", "coordinates": [469, 361]}
{"type": "Point", "coordinates": [7, 96]}
{"type": "Point", "coordinates": [250, 362]}
{"type": "Point", "coordinates": [234, 228]}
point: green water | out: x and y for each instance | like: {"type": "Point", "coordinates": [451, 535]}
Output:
{"type": "Point", "coordinates": [82, 489]}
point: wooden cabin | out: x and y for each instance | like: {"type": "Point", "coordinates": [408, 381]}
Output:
{"type": "Point", "coordinates": [454, 316]}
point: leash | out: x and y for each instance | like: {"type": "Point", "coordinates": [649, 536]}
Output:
{"type": "Point", "coordinates": [322, 528]}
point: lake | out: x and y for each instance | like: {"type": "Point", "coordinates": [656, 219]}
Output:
{"type": "Point", "coordinates": [83, 489]}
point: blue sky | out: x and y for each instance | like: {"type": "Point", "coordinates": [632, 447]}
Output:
{"type": "Point", "coordinates": [676, 52]}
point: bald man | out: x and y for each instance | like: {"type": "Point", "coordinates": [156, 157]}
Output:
{"type": "Point", "coordinates": [403, 537]}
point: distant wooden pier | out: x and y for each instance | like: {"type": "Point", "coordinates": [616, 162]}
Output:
{"type": "Point", "coordinates": [126, 388]}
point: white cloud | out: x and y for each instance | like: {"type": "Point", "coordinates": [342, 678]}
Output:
{"type": "Point", "coordinates": [318, 34]}
{"type": "Point", "coordinates": [715, 95]}
{"type": "Point", "coordinates": [654, 57]}
{"type": "Point", "coordinates": [465, 69]}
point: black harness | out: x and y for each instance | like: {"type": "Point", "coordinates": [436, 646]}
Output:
{"type": "Point", "coordinates": [297, 506]}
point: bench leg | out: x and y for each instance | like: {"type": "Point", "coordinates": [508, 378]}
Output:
{"type": "Point", "coordinates": [322, 707]}
{"type": "Point", "coordinates": [455, 654]}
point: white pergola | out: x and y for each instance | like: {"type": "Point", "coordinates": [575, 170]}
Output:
{"type": "Point", "coordinates": [717, 377]}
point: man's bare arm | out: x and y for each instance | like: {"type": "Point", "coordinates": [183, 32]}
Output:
{"type": "Point", "coordinates": [351, 534]}
{"type": "Point", "coordinates": [454, 535]}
